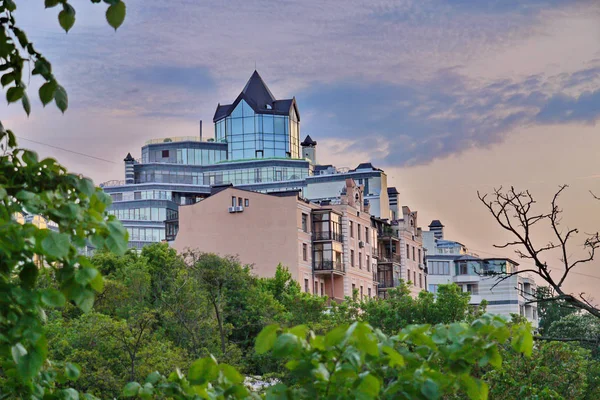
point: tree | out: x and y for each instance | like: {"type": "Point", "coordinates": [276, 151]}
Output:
{"type": "Point", "coordinates": [536, 377]}
{"type": "Point", "coordinates": [514, 212]}
{"type": "Point", "coordinates": [43, 187]}
{"type": "Point", "coordinates": [358, 362]}
{"type": "Point", "coordinates": [400, 309]}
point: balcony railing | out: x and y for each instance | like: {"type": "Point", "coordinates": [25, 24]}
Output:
{"type": "Point", "coordinates": [386, 283]}
{"type": "Point", "coordinates": [388, 258]}
{"type": "Point", "coordinates": [328, 235]}
{"type": "Point", "coordinates": [329, 266]}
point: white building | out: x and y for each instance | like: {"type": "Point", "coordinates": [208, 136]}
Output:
{"type": "Point", "coordinates": [451, 262]}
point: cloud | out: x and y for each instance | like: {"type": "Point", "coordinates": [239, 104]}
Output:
{"type": "Point", "coordinates": [423, 121]}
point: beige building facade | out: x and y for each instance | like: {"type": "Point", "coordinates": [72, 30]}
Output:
{"type": "Point", "coordinates": [328, 248]}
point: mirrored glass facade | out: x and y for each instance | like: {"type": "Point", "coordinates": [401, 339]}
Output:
{"type": "Point", "coordinates": [251, 135]}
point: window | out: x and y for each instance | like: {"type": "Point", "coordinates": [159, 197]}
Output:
{"type": "Point", "coordinates": [534, 314]}
{"type": "Point", "coordinates": [368, 264]}
{"type": "Point", "coordinates": [361, 291]}
{"type": "Point", "coordinates": [137, 195]}
{"type": "Point", "coordinates": [521, 311]}
{"type": "Point", "coordinates": [233, 201]}
{"type": "Point", "coordinates": [247, 203]}
{"type": "Point", "coordinates": [419, 255]}
{"type": "Point", "coordinates": [520, 288]}
{"type": "Point", "coordinates": [353, 289]}
{"type": "Point", "coordinates": [367, 235]}
{"type": "Point", "coordinates": [414, 258]}
{"type": "Point", "coordinates": [415, 278]}
{"type": "Point", "coordinates": [239, 201]}
{"type": "Point", "coordinates": [359, 234]}
{"type": "Point", "coordinates": [322, 289]}
{"type": "Point", "coordinates": [420, 280]}
{"type": "Point", "coordinates": [165, 154]}
{"type": "Point", "coordinates": [316, 288]}
{"type": "Point", "coordinates": [369, 292]}
{"type": "Point", "coordinates": [433, 288]}
{"type": "Point", "coordinates": [306, 285]}
{"type": "Point", "coordinates": [407, 251]}
{"type": "Point", "coordinates": [304, 222]}
{"type": "Point", "coordinates": [439, 267]}
{"type": "Point", "coordinates": [359, 260]}
{"type": "Point", "coordinates": [304, 252]}
{"type": "Point", "coordinates": [473, 289]}
{"type": "Point", "coordinates": [352, 258]}
{"type": "Point", "coordinates": [408, 275]}
{"type": "Point", "coordinates": [351, 229]}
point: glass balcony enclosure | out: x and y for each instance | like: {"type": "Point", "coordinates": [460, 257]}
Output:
{"type": "Point", "coordinates": [328, 257]}
{"type": "Point", "coordinates": [327, 226]}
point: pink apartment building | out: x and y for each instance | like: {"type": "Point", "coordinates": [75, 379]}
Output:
{"type": "Point", "coordinates": [328, 248]}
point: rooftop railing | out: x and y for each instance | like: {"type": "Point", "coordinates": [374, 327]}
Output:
{"type": "Point", "coordinates": [183, 139]}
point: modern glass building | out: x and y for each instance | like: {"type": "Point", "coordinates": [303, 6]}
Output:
{"type": "Point", "coordinates": [256, 146]}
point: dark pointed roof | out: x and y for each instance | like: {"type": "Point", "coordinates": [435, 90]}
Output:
{"type": "Point", "coordinates": [436, 224]}
{"type": "Point", "coordinates": [258, 96]}
{"type": "Point", "coordinates": [308, 142]}
{"type": "Point", "coordinates": [256, 90]}
{"type": "Point", "coordinates": [129, 158]}
{"type": "Point", "coordinates": [367, 165]}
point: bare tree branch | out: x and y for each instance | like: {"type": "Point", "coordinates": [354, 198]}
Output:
{"type": "Point", "coordinates": [512, 210]}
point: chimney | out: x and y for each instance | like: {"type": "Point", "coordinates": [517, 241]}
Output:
{"type": "Point", "coordinates": [200, 129]}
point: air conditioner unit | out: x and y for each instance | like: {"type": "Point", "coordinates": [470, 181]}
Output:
{"type": "Point", "coordinates": [361, 244]}
{"type": "Point", "coordinates": [239, 209]}
{"type": "Point", "coordinates": [231, 209]}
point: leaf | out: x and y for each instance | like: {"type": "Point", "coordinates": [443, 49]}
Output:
{"type": "Point", "coordinates": [203, 371]}
{"type": "Point", "coordinates": [50, 3]}
{"type": "Point", "coordinates": [85, 275]}
{"type": "Point", "coordinates": [266, 338]}
{"type": "Point", "coordinates": [231, 374]}
{"type": "Point", "coordinates": [72, 371]}
{"type": "Point", "coordinates": [97, 283]}
{"type": "Point", "coordinates": [335, 336]}
{"type": "Point", "coordinates": [115, 14]}
{"type": "Point", "coordinates": [61, 99]}
{"type": "Point", "coordinates": [285, 345]}
{"type": "Point", "coordinates": [29, 274]}
{"type": "Point", "coordinates": [153, 378]}
{"type": "Point", "coordinates": [66, 18]}
{"type": "Point", "coordinates": [26, 104]}
{"type": "Point", "coordinates": [476, 389]}
{"type": "Point", "coordinates": [53, 298]}
{"type": "Point", "coordinates": [368, 388]}
{"type": "Point", "coordinates": [523, 340]}
{"type": "Point", "coordinates": [430, 389]}
{"type": "Point", "coordinates": [131, 389]}
{"type": "Point", "coordinates": [14, 93]}
{"type": "Point", "coordinates": [46, 92]}
{"type": "Point", "coordinates": [7, 78]}
{"type": "Point", "coordinates": [56, 244]}
{"type": "Point", "coordinates": [69, 394]}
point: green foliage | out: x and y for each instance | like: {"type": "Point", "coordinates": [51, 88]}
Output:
{"type": "Point", "coordinates": [357, 361]}
{"type": "Point", "coordinates": [16, 51]}
{"type": "Point", "coordinates": [43, 187]}
{"type": "Point", "coordinates": [554, 371]}
{"type": "Point", "coordinates": [400, 309]}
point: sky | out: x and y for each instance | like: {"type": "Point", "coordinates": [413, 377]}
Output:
{"type": "Point", "coordinates": [448, 97]}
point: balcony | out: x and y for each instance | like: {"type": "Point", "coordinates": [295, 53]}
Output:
{"type": "Point", "coordinates": [386, 284]}
{"type": "Point", "coordinates": [327, 235]}
{"type": "Point", "coordinates": [466, 278]}
{"type": "Point", "coordinates": [389, 258]}
{"type": "Point", "coordinates": [329, 266]}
